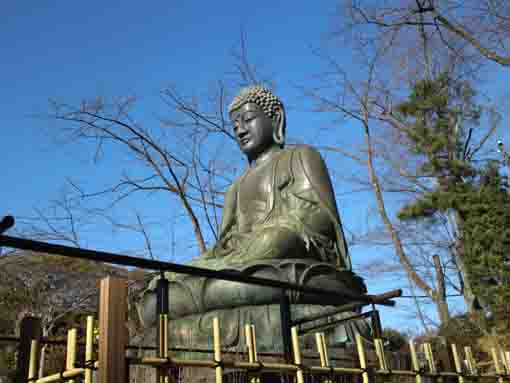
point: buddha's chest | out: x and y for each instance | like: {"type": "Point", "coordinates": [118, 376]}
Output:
{"type": "Point", "coordinates": [255, 192]}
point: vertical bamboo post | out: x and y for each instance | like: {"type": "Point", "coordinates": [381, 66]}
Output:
{"type": "Point", "coordinates": [320, 339]}
{"type": "Point", "coordinates": [217, 350]}
{"type": "Point", "coordinates": [255, 353]}
{"type": "Point", "coordinates": [72, 336]}
{"type": "Point", "coordinates": [414, 360]}
{"type": "Point", "coordinates": [470, 360]}
{"type": "Point", "coordinates": [362, 358]}
{"type": "Point", "coordinates": [507, 361]}
{"type": "Point", "coordinates": [379, 350]}
{"type": "Point", "coordinates": [89, 348]}
{"type": "Point", "coordinates": [112, 331]}
{"type": "Point", "coordinates": [32, 367]}
{"type": "Point", "coordinates": [326, 355]}
{"type": "Point", "coordinates": [163, 372]}
{"type": "Point", "coordinates": [297, 354]}
{"type": "Point", "coordinates": [249, 343]}
{"type": "Point", "coordinates": [497, 366]}
{"type": "Point", "coordinates": [504, 361]}
{"type": "Point", "coordinates": [430, 358]}
{"type": "Point", "coordinates": [458, 365]}
{"type": "Point", "coordinates": [165, 347]}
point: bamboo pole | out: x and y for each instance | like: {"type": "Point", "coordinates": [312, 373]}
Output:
{"type": "Point", "coordinates": [89, 347]}
{"type": "Point", "coordinates": [255, 353]}
{"type": "Point", "coordinates": [471, 363]}
{"type": "Point", "coordinates": [32, 367]}
{"type": "Point", "coordinates": [381, 356]}
{"type": "Point", "coordinates": [414, 360]}
{"type": "Point", "coordinates": [320, 340]}
{"type": "Point", "coordinates": [297, 355]}
{"type": "Point", "coordinates": [166, 354]}
{"type": "Point", "coordinates": [320, 350]}
{"type": "Point", "coordinates": [249, 342]}
{"type": "Point", "coordinates": [72, 336]}
{"type": "Point", "coordinates": [497, 366]}
{"type": "Point", "coordinates": [251, 346]}
{"type": "Point", "coordinates": [429, 355]}
{"type": "Point", "coordinates": [72, 373]}
{"type": "Point", "coordinates": [163, 375]}
{"type": "Point", "coordinates": [362, 358]}
{"type": "Point", "coordinates": [458, 365]}
{"type": "Point", "coordinates": [273, 367]}
{"type": "Point", "coordinates": [217, 350]}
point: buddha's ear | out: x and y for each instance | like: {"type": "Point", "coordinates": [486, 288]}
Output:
{"type": "Point", "coordinates": [279, 126]}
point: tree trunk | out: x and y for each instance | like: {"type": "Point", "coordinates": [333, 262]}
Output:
{"type": "Point", "coordinates": [440, 294]}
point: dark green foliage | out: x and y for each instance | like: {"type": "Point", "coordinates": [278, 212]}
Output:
{"type": "Point", "coordinates": [486, 229]}
{"type": "Point", "coordinates": [436, 116]}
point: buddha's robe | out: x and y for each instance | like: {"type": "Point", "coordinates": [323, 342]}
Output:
{"type": "Point", "coordinates": [283, 207]}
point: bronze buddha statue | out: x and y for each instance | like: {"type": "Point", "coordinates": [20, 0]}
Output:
{"type": "Point", "coordinates": [280, 221]}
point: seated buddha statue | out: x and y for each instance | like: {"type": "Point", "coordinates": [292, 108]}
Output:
{"type": "Point", "coordinates": [280, 221]}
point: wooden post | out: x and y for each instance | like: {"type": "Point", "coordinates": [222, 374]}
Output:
{"type": "Point", "coordinates": [458, 364]}
{"type": "Point", "coordinates": [217, 350]}
{"type": "Point", "coordinates": [72, 336]}
{"type": "Point", "coordinates": [30, 329]}
{"type": "Point", "coordinates": [414, 360]}
{"type": "Point", "coordinates": [89, 348]}
{"type": "Point", "coordinates": [297, 355]}
{"type": "Point", "coordinates": [112, 330]}
{"type": "Point", "coordinates": [362, 358]}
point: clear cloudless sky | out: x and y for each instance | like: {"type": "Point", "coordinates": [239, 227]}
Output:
{"type": "Point", "coordinates": [69, 50]}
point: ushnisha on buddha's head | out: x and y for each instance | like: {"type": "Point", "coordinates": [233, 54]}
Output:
{"type": "Point", "coordinates": [259, 121]}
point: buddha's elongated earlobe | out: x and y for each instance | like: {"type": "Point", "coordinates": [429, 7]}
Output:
{"type": "Point", "coordinates": [279, 126]}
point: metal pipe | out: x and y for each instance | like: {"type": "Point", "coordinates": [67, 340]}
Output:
{"type": "Point", "coordinates": [233, 276]}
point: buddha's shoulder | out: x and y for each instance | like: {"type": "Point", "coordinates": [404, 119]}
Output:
{"type": "Point", "coordinates": [304, 150]}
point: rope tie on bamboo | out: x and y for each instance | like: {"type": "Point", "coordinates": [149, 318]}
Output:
{"type": "Point", "coordinates": [300, 366]}
{"type": "Point", "coordinates": [89, 365]}
{"type": "Point", "coordinates": [218, 363]}
{"type": "Point", "coordinates": [257, 369]}
{"type": "Point", "coordinates": [420, 371]}
{"type": "Point", "coordinates": [62, 377]}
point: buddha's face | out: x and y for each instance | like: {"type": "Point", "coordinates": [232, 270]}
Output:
{"type": "Point", "coordinates": [253, 130]}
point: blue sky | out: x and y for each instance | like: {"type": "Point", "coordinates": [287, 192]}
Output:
{"type": "Point", "coordinates": [73, 50]}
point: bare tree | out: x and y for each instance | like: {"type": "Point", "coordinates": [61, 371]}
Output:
{"type": "Point", "coordinates": [482, 25]}
{"type": "Point", "coordinates": [389, 61]}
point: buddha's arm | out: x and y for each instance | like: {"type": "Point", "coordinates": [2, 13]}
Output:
{"type": "Point", "coordinates": [310, 196]}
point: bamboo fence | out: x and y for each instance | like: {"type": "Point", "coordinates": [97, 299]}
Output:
{"type": "Point", "coordinates": [112, 345]}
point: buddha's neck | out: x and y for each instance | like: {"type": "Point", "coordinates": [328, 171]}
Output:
{"type": "Point", "coordinates": [265, 156]}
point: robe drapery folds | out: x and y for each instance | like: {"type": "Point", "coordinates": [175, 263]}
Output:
{"type": "Point", "coordinates": [301, 217]}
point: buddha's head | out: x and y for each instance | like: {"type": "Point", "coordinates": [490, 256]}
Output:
{"type": "Point", "coordinates": [259, 121]}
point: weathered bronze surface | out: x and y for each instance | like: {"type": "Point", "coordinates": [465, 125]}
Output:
{"type": "Point", "coordinates": [280, 221]}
